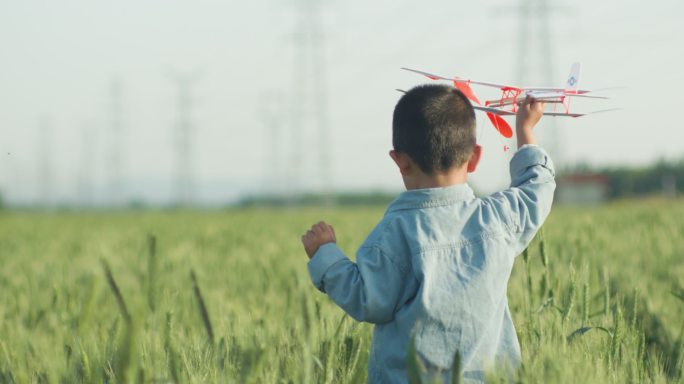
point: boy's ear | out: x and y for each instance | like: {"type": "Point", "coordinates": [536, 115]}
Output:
{"type": "Point", "coordinates": [401, 160]}
{"type": "Point", "coordinates": [474, 158]}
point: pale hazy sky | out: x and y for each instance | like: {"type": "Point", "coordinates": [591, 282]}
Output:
{"type": "Point", "coordinates": [58, 60]}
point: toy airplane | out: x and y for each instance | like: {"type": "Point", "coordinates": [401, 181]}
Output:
{"type": "Point", "coordinates": [512, 96]}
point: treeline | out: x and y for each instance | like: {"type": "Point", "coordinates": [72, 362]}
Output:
{"type": "Point", "coordinates": [663, 177]}
{"type": "Point", "coordinates": [319, 199]}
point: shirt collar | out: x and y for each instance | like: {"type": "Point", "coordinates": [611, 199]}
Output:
{"type": "Point", "coordinates": [431, 197]}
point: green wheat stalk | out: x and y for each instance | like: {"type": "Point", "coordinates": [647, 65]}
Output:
{"type": "Point", "coordinates": [170, 351]}
{"type": "Point", "coordinates": [126, 349]}
{"type": "Point", "coordinates": [585, 303]}
{"type": "Point", "coordinates": [606, 297]}
{"type": "Point", "coordinates": [571, 300]}
{"type": "Point", "coordinates": [151, 271]}
{"type": "Point", "coordinates": [202, 308]}
{"type": "Point", "coordinates": [617, 333]}
{"type": "Point", "coordinates": [115, 290]}
{"type": "Point", "coordinates": [89, 302]}
{"type": "Point", "coordinates": [635, 310]}
{"type": "Point", "coordinates": [85, 372]}
{"type": "Point", "coordinates": [542, 250]}
{"type": "Point", "coordinates": [456, 368]}
{"type": "Point", "coordinates": [415, 367]}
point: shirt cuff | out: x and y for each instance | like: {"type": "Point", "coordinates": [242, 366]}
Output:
{"type": "Point", "coordinates": [528, 156]}
{"type": "Point", "coordinates": [325, 257]}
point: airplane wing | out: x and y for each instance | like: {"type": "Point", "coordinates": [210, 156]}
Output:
{"type": "Point", "coordinates": [496, 111]}
{"type": "Point", "coordinates": [548, 97]}
{"type": "Point", "coordinates": [564, 114]}
{"type": "Point", "coordinates": [540, 95]}
{"type": "Point", "coordinates": [571, 91]}
{"type": "Point", "coordinates": [505, 129]}
{"type": "Point", "coordinates": [589, 96]}
{"type": "Point", "coordinates": [579, 114]}
{"type": "Point", "coordinates": [560, 90]}
{"type": "Point", "coordinates": [604, 110]}
{"type": "Point", "coordinates": [502, 112]}
{"type": "Point", "coordinates": [459, 80]}
{"type": "Point", "coordinates": [428, 75]}
{"type": "Point", "coordinates": [547, 94]}
{"type": "Point", "coordinates": [500, 86]}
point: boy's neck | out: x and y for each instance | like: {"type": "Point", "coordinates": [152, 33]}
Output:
{"type": "Point", "coordinates": [420, 180]}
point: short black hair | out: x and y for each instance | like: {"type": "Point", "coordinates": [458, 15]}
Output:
{"type": "Point", "coordinates": [435, 125]}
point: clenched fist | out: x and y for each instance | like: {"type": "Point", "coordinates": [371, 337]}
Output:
{"type": "Point", "coordinates": [319, 234]}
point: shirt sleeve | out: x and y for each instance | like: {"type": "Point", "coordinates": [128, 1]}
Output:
{"type": "Point", "coordinates": [368, 290]}
{"type": "Point", "coordinates": [527, 203]}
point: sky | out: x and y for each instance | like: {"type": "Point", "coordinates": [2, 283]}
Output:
{"type": "Point", "coordinates": [60, 59]}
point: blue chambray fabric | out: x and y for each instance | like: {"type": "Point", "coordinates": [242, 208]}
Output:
{"type": "Point", "coordinates": [437, 267]}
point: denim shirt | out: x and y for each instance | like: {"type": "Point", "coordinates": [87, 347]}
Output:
{"type": "Point", "coordinates": [436, 268]}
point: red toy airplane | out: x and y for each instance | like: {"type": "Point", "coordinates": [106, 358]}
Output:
{"type": "Point", "coordinates": [512, 96]}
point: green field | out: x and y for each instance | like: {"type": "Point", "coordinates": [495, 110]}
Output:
{"type": "Point", "coordinates": [617, 269]}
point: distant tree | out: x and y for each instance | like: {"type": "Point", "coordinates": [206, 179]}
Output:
{"type": "Point", "coordinates": [2, 202]}
{"type": "Point", "coordinates": [639, 181]}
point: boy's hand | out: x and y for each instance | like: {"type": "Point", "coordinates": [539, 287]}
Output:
{"type": "Point", "coordinates": [529, 114]}
{"type": "Point", "coordinates": [318, 235]}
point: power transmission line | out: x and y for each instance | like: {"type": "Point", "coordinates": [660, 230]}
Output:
{"type": "Point", "coordinates": [271, 111]}
{"type": "Point", "coordinates": [116, 143]}
{"type": "Point", "coordinates": [310, 104]}
{"type": "Point", "coordinates": [185, 181]}
{"type": "Point", "coordinates": [45, 164]}
{"type": "Point", "coordinates": [531, 14]}
{"type": "Point", "coordinates": [85, 175]}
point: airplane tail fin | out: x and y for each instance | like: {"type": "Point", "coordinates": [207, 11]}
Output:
{"type": "Point", "coordinates": [572, 84]}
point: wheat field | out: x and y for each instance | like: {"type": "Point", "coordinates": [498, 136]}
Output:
{"type": "Point", "coordinates": [224, 296]}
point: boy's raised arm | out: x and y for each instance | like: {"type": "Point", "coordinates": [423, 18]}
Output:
{"type": "Point", "coordinates": [527, 203]}
{"type": "Point", "coordinates": [368, 290]}
{"type": "Point", "coordinates": [528, 116]}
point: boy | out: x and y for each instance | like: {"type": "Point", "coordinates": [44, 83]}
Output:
{"type": "Point", "coordinates": [437, 265]}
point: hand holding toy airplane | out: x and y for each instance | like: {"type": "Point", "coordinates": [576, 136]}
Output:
{"type": "Point", "coordinates": [512, 96]}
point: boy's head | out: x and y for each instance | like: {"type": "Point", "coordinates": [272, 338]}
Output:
{"type": "Point", "coordinates": [435, 126]}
